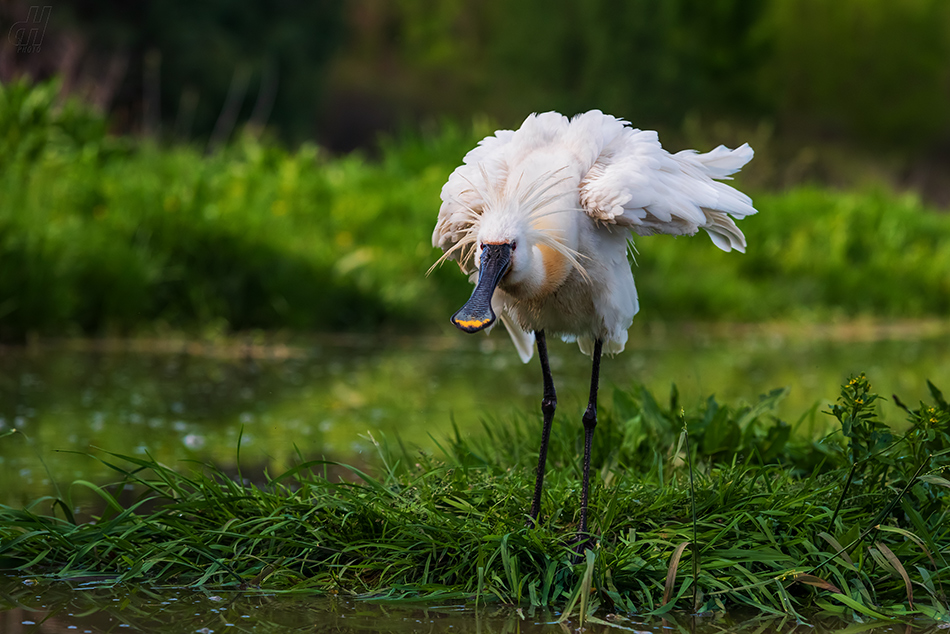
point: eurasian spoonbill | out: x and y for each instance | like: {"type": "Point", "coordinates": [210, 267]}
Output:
{"type": "Point", "coordinates": [541, 219]}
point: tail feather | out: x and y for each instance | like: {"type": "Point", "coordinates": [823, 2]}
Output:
{"type": "Point", "coordinates": [723, 231]}
{"type": "Point", "coordinates": [722, 162]}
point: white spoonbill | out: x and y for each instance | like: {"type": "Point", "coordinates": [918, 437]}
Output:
{"type": "Point", "coordinates": [542, 218]}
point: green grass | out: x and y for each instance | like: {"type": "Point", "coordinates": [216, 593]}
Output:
{"type": "Point", "coordinates": [117, 235]}
{"type": "Point", "coordinates": [854, 524]}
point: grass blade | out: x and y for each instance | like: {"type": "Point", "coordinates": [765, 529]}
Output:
{"type": "Point", "coordinates": [899, 567]}
{"type": "Point", "coordinates": [671, 573]}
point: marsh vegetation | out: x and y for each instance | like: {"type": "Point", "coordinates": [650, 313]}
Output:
{"type": "Point", "coordinates": [705, 509]}
{"type": "Point", "coordinates": [105, 235]}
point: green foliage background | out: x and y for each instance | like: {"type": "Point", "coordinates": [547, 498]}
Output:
{"type": "Point", "coordinates": [191, 55]}
{"type": "Point", "coordinates": [871, 71]}
{"type": "Point", "coordinates": [102, 234]}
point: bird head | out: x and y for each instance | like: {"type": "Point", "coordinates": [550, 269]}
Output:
{"type": "Point", "coordinates": [522, 242]}
{"type": "Point", "coordinates": [526, 262]}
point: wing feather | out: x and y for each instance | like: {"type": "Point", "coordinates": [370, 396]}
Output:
{"type": "Point", "coordinates": [635, 183]}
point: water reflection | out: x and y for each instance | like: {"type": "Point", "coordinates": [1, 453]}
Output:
{"type": "Point", "coordinates": [42, 608]}
{"type": "Point", "coordinates": [179, 401]}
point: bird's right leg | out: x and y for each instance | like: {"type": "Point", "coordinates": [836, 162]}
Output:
{"type": "Point", "coordinates": [584, 539]}
{"type": "Point", "coordinates": [590, 422]}
{"type": "Point", "coordinates": [548, 405]}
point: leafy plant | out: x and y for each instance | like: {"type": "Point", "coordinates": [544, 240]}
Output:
{"type": "Point", "coordinates": [855, 411]}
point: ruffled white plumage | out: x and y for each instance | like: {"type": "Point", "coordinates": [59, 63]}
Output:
{"type": "Point", "coordinates": [581, 186]}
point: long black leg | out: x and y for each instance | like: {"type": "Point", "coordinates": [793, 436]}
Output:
{"type": "Point", "coordinates": [590, 421]}
{"type": "Point", "coordinates": [548, 405]}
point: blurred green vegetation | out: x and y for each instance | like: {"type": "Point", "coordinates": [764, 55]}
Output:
{"type": "Point", "coordinates": [872, 71]}
{"type": "Point", "coordinates": [191, 66]}
{"type": "Point", "coordinates": [869, 71]}
{"type": "Point", "coordinates": [105, 234]}
{"type": "Point", "coordinates": [102, 234]}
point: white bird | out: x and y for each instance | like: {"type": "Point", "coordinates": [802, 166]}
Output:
{"type": "Point", "coordinates": [542, 219]}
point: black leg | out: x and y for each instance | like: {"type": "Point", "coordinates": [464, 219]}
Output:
{"type": "Point", "coordinates": [548, 405]}
{"type": "Point", "coordinates": [590, 421]}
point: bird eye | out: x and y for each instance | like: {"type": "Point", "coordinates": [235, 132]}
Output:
{"type": "Point", "coordinates": [514, 245]}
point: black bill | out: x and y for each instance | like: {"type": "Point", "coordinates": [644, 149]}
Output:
{"type": "Point", "coordinates": [477, 314]}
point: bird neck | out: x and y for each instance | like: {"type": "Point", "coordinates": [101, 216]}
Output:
{"type": "Point", "coordinates": [543, 272]}
{"type": "Point", "coordinates": [556, 268]}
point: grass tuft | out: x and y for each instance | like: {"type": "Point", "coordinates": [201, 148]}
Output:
{"type": "Point", "coordinates": [853, 524]}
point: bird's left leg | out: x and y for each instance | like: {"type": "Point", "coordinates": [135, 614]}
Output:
{"type": "Point", "coordinates": [548, 405]}
{"type": "Point", "coordinates": [590, 421]}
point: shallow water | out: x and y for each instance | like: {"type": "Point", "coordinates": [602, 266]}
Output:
{"type": "Point", "coordinates": [36, 608]}
{"type": "Point", "coordinates": [190, 401]}
{"type": "Point", "coordinates": [179, 401]}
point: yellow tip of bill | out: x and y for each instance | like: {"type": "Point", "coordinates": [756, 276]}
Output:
{"type": "Point", "coordinates": [471, 323]}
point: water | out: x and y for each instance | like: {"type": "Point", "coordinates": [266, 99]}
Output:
{"type": "Point", "coordinates": [31, 607]}
{"type": "Point", "coordinates": [180, 401]}
{"type": "Point", "coordinates": [276, 404]}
